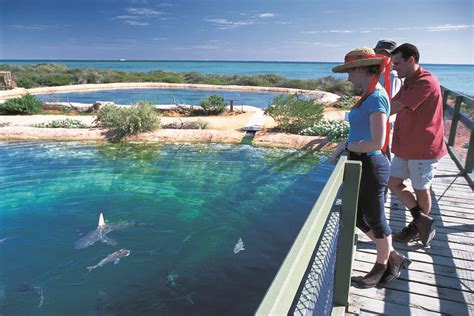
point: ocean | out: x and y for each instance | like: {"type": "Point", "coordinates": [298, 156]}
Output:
{"type": "Point", "coordinates": [455, 77]}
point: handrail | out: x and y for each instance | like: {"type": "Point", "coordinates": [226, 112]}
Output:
{"type": "Point", "coordinates": [466, 167]}
{"type": "Point", "coordinates": [282, 291]}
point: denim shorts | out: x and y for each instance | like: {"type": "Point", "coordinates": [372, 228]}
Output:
{"type": "Point", "coordinates": [420, 172]}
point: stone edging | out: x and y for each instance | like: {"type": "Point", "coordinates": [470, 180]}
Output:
{"type": "Point", "coordinates": [265, 139]}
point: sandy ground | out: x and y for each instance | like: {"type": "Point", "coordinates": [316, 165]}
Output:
{"type": "Point", "coordinates": [226, 129]}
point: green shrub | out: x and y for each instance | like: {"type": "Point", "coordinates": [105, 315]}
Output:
{"type": "Point", "coordinates": [67, 123]}
{"type": "Point", "coordinates": [213, 104]}
{"type": "Point", "coordinates": [293, 115]}
{"type": "Point", "coordinates": [123, 121]}
{"type": "Point", "coordinates": [27, 104]}
{"type": "Point", "coordinates": [345, 102]}
{"type": "Point", "coordinates": [335, 130]}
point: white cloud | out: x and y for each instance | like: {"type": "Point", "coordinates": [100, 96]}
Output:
{"type": "Point", "coordinates": [159, 38]}
{"type": "Point", "coordinates": [139, 16]}
{"type": "Point", "coordinates": [449, 27]}
{"type": "Point", "coordinates": [33, 27]}
{"type": "Point", "coordinates": [205, 47]}
{"type": "Point", "coordinates": [283, 23]}
{"type": "Point", "coordinates": [135, 23]}
{"type": "Point", "coordinates": [318, 44]}
{"type": "Point", "coordinates": [266, 15]}
{"type": "Point", "coordinates": [224, 24]}
{"type": "Point", "coordinates": [143, 11]}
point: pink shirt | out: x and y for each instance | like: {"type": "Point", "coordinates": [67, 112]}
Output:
{"type": "Point", "coordinates": [419, 128]}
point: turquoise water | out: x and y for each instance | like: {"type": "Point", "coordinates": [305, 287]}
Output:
{"type": "Point", "coordinates": [455, 77]}
{"type": "Point", "coordinates": [161, 96]}
{"type": "Point", "coordinates": [186, 207]}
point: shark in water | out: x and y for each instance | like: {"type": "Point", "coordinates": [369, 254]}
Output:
{"type": "Point", "coordinates": [113, 257]}
{"type": "Point", "coordinates": [100, 233]}
{"type": "Point", "coordinates": [239, 246]}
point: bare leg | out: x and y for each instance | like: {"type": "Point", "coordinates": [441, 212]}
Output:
{"type": "Point", "coordinates": [400, 190]}
{"type": "Point", "coordinates": [423, 198]}
{"type": "Point", "coordinates": [384, 247]}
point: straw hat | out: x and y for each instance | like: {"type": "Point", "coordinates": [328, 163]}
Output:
{"type": "Point", "coordinates": [359, 57]}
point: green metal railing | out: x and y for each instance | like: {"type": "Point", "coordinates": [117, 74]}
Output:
{"type": "Point", "coordinates": [283, 290]}
{"type": "Point", "coordinates": [466, 166]}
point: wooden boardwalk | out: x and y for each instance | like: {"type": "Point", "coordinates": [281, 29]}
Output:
{"type": "Point", "coordinates": [441, 278]}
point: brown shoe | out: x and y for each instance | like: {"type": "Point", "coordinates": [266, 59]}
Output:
{"type": "Point", "coordinates": [396, 261]}
{"type": "Point", "coordinates": [372, 278]}
{"type": "Point", "coordinates": [426, 226]}
{"type": "Point", "coordinates": [407, 234]}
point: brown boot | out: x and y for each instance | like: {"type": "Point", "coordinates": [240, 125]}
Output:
{"type": "Point", "coordinates": [396, 261]}
{"type": "Point", "coordinates": [407, 234]}
{"type": "Point", "coordinates": [372, 278]}
{"type": "Point", "coordinates": [426, 227]}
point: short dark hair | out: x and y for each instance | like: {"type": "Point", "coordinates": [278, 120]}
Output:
{"type": "Point", "coordinates": [407, 50]}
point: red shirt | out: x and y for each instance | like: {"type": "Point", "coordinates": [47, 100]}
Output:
{"type": "Point", "coordinates": [419, 128]}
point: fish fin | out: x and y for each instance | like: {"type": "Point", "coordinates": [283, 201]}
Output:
{"type": "Point", "coordinates": [189, 299]}
{"type": "Point", "coordinates": [101, 222]}
{"type": "Point", "coordinates": [89, 269]}
{"type": "Point", "coordinates": [242, 249]}
{"type": "Point", "coordinates": [108, 241]}
{"type": "Point", "coordinates": [116, 260]}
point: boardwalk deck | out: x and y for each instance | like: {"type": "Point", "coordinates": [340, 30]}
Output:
{"type": "Point", "coordinates": [441, 278]}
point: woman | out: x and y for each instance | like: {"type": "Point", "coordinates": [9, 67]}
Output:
{"type": "Point", "coordinates": [366, 143]}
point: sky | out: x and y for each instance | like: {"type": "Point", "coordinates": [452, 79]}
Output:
{"type": "Point", "coordinates": [262, 30]}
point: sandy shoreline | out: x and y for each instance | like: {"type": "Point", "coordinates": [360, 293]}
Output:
{"type": "Point", "coordinates": [221, 129]}
{"type": "Point", "coordinates": [226, 129]}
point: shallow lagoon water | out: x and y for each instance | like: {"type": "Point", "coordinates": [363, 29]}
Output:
{"type": "Point", "coordinates": [161, 96]}
{"type": "Point", "coordinates": [191, 204]}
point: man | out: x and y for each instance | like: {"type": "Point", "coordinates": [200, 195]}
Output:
{"type": "Point", "coordinates": [418, 141]}
{"type": "Point", "coordinates": [385, 47]}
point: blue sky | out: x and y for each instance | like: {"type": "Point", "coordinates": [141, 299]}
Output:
{"type": "Point", "coordinates": [272, 30]}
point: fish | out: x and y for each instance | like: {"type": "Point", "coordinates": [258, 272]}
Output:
{"type": "Point", "coordinates": [26, 287]}
{"type": "Point", "coordinates": [172, 278]}
{"type": "Point", "coordinates": [113, 257]}
{"type": "Point", "coordinates": [239, 246]}
{"type": "Point", "coordinates": [2, 240]}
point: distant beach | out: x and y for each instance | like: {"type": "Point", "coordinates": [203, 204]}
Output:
{"type": "Point", "coordinates": [455, 77]}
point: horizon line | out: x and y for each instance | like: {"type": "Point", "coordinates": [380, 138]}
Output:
{"type": "Point", "coordinates": [209, 60]}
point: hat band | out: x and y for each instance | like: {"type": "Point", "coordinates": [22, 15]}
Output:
{"type": "Point", "coordinates": [349, 59]}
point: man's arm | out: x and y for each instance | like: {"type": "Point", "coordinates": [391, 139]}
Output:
{"type": "Point", "coordinates": [396, 106]}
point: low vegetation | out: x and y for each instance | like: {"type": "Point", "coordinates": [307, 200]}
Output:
{"type": "Point", "coordinates": [30, 76]}
{"type": "Point", "coordinates": [293, 114]}
{"type": "Point", "coordinates": [123, 121]}
{"type": "Point", "coordinates": [66, 123]}
{"type": "Point", "coordinates": [26, 104]}
{"type": "Point", "coordinates": [199, 124]}
{"type": "Point", "coordinates": [335, 130]}
{"type": "Point", "coordinates": [345, 102]}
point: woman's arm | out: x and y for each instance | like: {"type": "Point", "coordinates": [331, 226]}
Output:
{"type": "Point", "coordinates": [378, 126]}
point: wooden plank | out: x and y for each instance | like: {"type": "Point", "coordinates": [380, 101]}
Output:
{"type": "Point", "coordinates": [433, 259]}
{"type": "Point", "coordinates": [370, 306]}
{"type": "Point", "coordinates": [424, 277]}
{"type": "Point", "coordinates": [427, 290]}
{"type": "Point", "coordinates": [424, 303]}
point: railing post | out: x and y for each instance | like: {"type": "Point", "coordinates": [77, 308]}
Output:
{"type": "Point", "coordinates": [454, 121]}
{"type": "Point", "coordinates": [350, 195]}
{"type": "Point", "coordinates": [445, 97]}
{"type": "Point", "coordinates": [470, 155]}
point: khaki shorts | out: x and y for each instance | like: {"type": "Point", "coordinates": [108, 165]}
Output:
{"type": "Point", "coordinates": [420, 172]}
